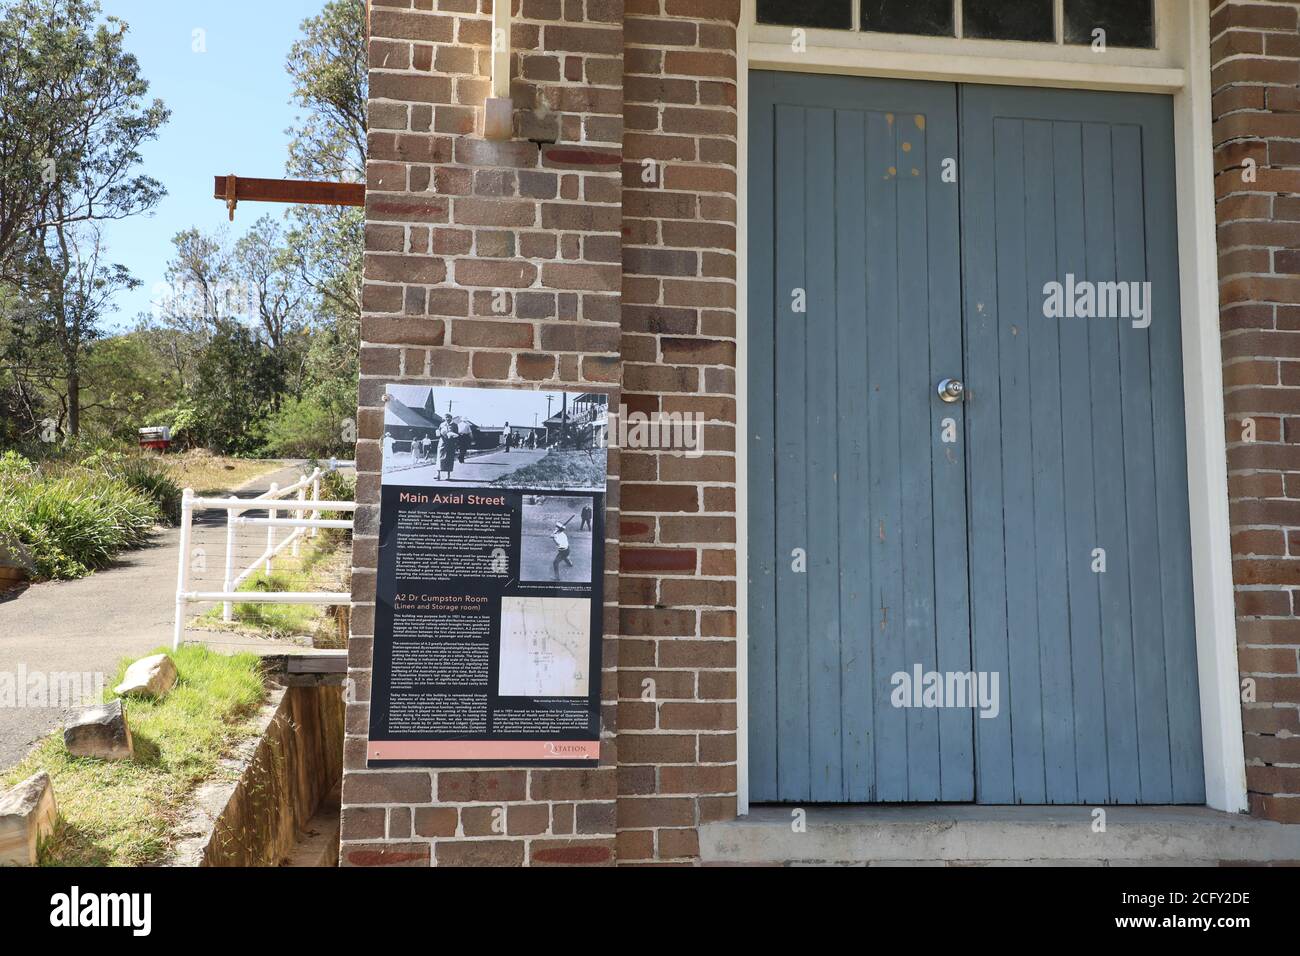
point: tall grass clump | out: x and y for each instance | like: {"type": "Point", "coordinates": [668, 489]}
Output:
{"type": "Point", "coordinates": [72, 519]}
{"type": "Point", "coordinates": [335, 486]}
{"type": "Point", "coordinates": [146, 474]}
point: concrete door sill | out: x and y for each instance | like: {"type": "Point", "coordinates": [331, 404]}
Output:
{"type": "Point", "coordinates": [969, 835]}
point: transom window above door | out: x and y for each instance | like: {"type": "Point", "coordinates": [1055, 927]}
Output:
{"type": "Point", "coordinates": [1122, 23]}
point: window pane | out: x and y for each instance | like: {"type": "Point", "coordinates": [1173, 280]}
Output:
{"type": "Point", "coordinates": [831, 14]}
{"type": "Point", "coordinates": [928, 17]}
{"type": "Point", "coordinates": [1008, 19]}
{"type": "Point", "coordinates": [1126, 22]}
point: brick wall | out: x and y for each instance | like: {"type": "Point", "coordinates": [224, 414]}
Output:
{"type": "Point", "coordinates": [607, 227]}
{"type": "Point", "coordinates": [486, 262]}
{"type": "Point", "coordinates": [1256, 82]}
{"type": "Point", "coordinates": [677, 593]}
{"type": "Point", "coordinates": [452, 222]}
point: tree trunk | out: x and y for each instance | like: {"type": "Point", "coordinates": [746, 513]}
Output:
{"type": "Point", "coordinates": [74, 402]}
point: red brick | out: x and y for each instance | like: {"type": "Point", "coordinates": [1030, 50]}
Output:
{"type": "Point", "coordinates": [385, 854]}
{"type": "Point", "coordinates": [479, 852]}
{"type": "Point", "coordinates": [571, 852]}
{"type": "Point", "coordinates": [481, 785]}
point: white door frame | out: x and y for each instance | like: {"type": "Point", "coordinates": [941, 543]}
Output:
{"type": "Point", "coordinates": [1179, 67]}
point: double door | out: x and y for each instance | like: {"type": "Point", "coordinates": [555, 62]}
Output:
{"type": "Point", "coordinates": [969, 550]}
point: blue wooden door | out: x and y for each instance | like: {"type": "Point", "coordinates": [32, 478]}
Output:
{"type": "Point", "coordinates": [1081, 581]}
{"type": "Point", "coordinates": [857, 535]}
{"type": "Point", "coordinates": [1036, 533]}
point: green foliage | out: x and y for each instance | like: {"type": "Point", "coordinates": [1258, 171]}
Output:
{"type": "Point", "coordinates": [73, 117]}
{"type": "Point", "coordinates": [184, 421]}
{"type": "Point", "coordinates": [329, 70]}
{"type": "Point", "coordinates": [328, 67]}
{"type": "Point", "coordinates": [306, 427]}
{"type": "Point", "coordinates": [76, 516]}
{"type": "Point", "coordinates": [73, 520]}
{"type": "Point", "coordinates": [254, 351]}
{"type": "Point", "coordinates": [336, 486]}
{"type": "Point", "coordinates": [234, 384]}
{"type": "Point", "coordinates": [126, 387]}
{"type": "Point", "coordinates": [15, 466]}
{"type": "Point", "coordinates": [145, 473]}
{"type": "Point", "coordinates": [119, 813]}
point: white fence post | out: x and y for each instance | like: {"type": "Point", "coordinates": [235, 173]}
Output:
{"type": "Point", "coordinates": [270, 529]}
{"type": "Point", "coordinates": [228, 609]}
{"type": "Point", "coordinates": [235, 507]}
{"type": "Point", "coordinates": [298, 532]}
{"type": "Point", "coordinates": [183, 572]}
{"type": "Point", "coordinates": [315, 496]}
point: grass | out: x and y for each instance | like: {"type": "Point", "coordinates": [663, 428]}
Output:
{"type": "Point", "coordinates": [323, 565]}
{"type": "Point", "coordinates": [214, 474]}
{"type": "Point", "coordinates": [119, 813]}
{"type": "Point", "coordinates": [561, 468]}
{"type": "Point", "coordinates": [74, 519]}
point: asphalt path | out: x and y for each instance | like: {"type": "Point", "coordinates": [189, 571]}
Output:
{"type": "Point", "coordinates": [87, 626]}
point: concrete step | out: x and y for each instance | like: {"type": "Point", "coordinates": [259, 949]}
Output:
{"type": "Point", "coordinates": [968, 835]}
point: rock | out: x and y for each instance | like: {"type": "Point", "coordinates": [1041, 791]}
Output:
{"type": "Point", "coordinates": [27, 816]}
{"type": "Point", "coordinates": [15, 563]}
{"type": "Point", "coordinates": [151, 676]}
{"type": "Point", "coordinates": [101, 732]}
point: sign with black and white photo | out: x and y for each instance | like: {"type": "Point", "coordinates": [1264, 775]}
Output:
{"type": "Point", "coordinates": [488, 615]}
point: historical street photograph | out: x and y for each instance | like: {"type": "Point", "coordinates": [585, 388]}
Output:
{"type": "Point", "coordinates": [514, 438]}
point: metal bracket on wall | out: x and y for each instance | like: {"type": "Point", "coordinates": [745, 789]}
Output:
{"type": "Point", "coordinates": [498, 111]}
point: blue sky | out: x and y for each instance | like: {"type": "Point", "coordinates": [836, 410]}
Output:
{"type": "Point", "coordinates": [230, 107]}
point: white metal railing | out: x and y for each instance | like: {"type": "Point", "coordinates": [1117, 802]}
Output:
{"type": "Point", "coordinates": [300, 505]}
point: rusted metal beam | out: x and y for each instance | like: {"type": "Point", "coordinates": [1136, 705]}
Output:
{"type": "Point", "coordinates": [234, 189]}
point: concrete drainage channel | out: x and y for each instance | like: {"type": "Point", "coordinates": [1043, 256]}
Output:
{"type": "Point", "coordinates": [279, 802]}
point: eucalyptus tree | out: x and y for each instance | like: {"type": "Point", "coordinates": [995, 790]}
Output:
{"type": "Point", "coordinates": [74, 115]}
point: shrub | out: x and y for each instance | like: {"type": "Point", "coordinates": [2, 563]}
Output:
{"type": "Point", "coordinates": [146, 474]}
{"type": "Point", "coordinates": [73, 520]}
{"type": "Point", "coordinates": [153, 480]}
{"type": "Point", "coordinates": [335, 486]}
{"type": "Point", "coordinates": [15, 465]}
{"type": "Point", "coordinates": [303, 428]}
{"type": "Point", "coordinates": [561, 468]}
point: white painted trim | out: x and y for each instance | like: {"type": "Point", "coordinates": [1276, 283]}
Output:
{"type": "Point", "coordinates": [1179, 66]}
{"type": "Point", "coordinates": [967, 68]}
{"type": "Point", "coordinates": [1207, 456]}
{"type": "Point", "coordinates": [742, 411]}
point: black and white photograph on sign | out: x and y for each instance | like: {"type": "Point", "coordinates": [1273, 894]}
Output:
{"type": "Point", "coordinates": [545, 647]}
{"type": "Point", "coordinates": [512, 438]}
{"type": "Point", "coordinates": [555, 542]}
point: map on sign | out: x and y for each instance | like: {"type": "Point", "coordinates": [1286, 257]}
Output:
{"type": "Point", "coordinates": [545, 647]}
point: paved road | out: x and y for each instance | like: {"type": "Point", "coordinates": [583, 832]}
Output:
{"type": "Point", "coordinates": [87, 626]}
{"type": "Point", "coordinates": [480, 469]}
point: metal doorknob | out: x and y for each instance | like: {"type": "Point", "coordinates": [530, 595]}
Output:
{"type": "Point", "coordinates": [952, 390]}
